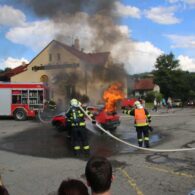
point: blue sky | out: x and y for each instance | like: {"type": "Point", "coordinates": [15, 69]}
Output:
{"type": "Point", "coordinates": [152, 27]}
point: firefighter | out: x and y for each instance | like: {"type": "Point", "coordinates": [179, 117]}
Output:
{"type": "Point", "coordinates": [78, 131]}
{"type": "Point", "coordinates": [142, 119]}
{"type": "Point", "coordinates": [52, 105]}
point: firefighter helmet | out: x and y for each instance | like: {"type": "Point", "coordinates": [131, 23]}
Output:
{"type": "Point", "coordinates": [138, 105]}
{"type": "Point", "coordinates": [74, 102]}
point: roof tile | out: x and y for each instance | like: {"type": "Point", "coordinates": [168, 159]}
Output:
{"type": "Point", "coordinates": [144, 84]}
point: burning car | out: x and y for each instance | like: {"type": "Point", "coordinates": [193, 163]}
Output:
{"type": "Point", "coordinates": [105, 114]}
{"type": "Point", "coordinates": [109, 121]}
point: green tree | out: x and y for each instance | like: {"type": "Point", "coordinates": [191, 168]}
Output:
{"type": "Point", "coordinates": [151, 95]}
{"type": "Point", "coordinates": [166, 69]}
{"type": "Point", "coordinates": [166, 62]}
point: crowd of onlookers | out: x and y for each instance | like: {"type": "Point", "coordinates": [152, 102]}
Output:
{"type": "Point", "coordinates": [163, 104]}
{"type": "Point", "coordinates": [98, 173]}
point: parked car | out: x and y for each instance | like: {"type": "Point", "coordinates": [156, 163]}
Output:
{"type": "Point", "coordinates": [190, 103]}
{"type": "Point", "coordinates": [177, 103]}
{"type": "Point", "coordinates": [109, 121]}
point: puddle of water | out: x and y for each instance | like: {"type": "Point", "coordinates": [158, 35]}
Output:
{"type": "Point", "coordinates": [44, 141]}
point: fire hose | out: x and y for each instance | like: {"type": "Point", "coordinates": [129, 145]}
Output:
{"type": "Point", "coordinates": [42, 120]}
{"type": "Point", "coordinates": [132, 145]}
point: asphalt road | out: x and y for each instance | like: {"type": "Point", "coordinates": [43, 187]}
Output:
{"type": "Point", "coordinates": [34, 158]}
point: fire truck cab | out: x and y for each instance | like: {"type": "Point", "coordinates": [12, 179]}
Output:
{"type": "Point", "coordinates": [21, 100]}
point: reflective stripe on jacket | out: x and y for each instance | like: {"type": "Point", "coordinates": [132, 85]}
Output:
{"type": "Point", "coordinates": [77, 118]}
{"type": "Point", "coordinates": [140, 118]}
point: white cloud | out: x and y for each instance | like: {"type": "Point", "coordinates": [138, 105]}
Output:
{"type": "Point", "coordinates": [162, 15]}
{"type": "Point", "coordinates": [138, 57]}
{"type": "Point", "coordinates": [127, 11]}
{"type": "Point", "coordinates": [187, 63]}
{"type": "Point", "coordinates": [124, 29]}
{"type": "Point", "coordinates": [173, 1]}
{"type": "Point", "coordinates": [183, 3]}
{"type": "Point", "coordinates": [12, 62]}
{"type": "Point", "coordinates": [10, 16]}
{"type": "Point", "coordinates": [179, 41]}
{"type": "Point", "coordinates": [191, 2]}
{"type": "Point", "coordinates": [37, 35]}
{"type": "Point", "coordinates": [34, 35]}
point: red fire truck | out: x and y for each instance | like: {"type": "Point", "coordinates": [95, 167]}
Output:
{"type": "Point", "coordinates": [21, 100]}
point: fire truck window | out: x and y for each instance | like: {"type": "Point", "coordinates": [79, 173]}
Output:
{"type": "Point", "coordinates": [16, 99]}
{"type": "Point", "coordinates": [40, 97]}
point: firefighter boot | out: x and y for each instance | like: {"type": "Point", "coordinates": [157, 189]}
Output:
{"type": "Point", "coordinates": [140, 143]}
{"type": "Point", "coordinates": [77, 153]}
{"type": "Point", "coordinates": [77, 150]}
{"type": "Point", "coordinates": [147, 144]}
{"type": "Point", "coordinates": [86, 150]}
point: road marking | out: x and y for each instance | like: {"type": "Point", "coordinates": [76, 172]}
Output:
{"type": "Point", "coordinates": [171, 172]}
{"type": "Point", "coordinates": [131, 181]}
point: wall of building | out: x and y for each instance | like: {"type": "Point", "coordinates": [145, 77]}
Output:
{"type": "Point", "coordinates": [43, 58]}
{"type": "Point", "coordinates": [156, 88]}
{"type": "Point", "coordinates": [55, 53]}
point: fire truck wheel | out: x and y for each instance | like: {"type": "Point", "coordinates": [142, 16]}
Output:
{"type": "Point", "coordinates": [20, 114]}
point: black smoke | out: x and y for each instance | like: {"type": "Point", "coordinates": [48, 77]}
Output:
{"type": "Point", "coordinates": [54, 8]}
{"type": "Point", "coordinates": [103, 22]}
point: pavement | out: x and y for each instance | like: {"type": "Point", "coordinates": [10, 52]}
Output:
{"type": "Point", "coordinates": [34, 158]}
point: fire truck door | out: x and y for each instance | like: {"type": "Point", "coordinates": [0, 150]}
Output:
{"type": "Point", "coordinates": [5, 102]}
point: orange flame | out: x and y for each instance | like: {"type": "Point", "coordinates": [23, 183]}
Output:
{"type": "Point", "coordinates": [113, 94]}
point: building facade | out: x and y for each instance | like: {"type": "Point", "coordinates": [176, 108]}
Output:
{"type": "Point", "coordinates": [68, 72]}
{"type": "Point", "coordinates": [142, 86]}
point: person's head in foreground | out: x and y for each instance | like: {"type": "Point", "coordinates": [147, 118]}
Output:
{"type": "Point", "coordinates": [98, 173]}
{"type": "Point", "coordinates": [3, 190]}
{"type": "Point", "coordinates": [72, 187]}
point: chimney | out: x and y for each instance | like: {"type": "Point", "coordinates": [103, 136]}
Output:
{"type": "Point", "coordinates": [23, 63]}
{"type": "Point", "coordinates": [76, 44]}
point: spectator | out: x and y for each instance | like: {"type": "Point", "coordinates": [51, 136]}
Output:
{"type": "Point", "coordinates": [143, 103]}
{"type": "Point", "coordinates": [98, 173]}
{"type": "Point", "coordinates": [169, 104]}
{"type": "Point", "coordinates": [72, 187]}
{"type": "Point", "coordinates": [155, 105]}
{"type": "Point", "coordinates": [163, 102]}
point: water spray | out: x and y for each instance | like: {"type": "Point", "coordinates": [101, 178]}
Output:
{"type": "Point", "coordinates": [132, 145]}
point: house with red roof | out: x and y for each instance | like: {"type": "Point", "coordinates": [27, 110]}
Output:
{"type": "Point", "coordinates": [68, 71]}
{"type": "Point", "coordinates": [142, 86]}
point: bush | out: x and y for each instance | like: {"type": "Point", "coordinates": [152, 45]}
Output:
{"type": "Point", "coordinates": [152, 94]}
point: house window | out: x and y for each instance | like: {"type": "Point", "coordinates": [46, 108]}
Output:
{"type": "Point", "coordinates": [50, 57]}
{"type": "Point", "coordinates": [70, 91]}
{"type": "Point", "coordinates": [58, 57]}
{"type": "Point", "coordinates": [44, 79]}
